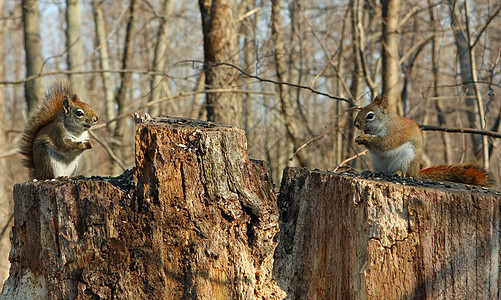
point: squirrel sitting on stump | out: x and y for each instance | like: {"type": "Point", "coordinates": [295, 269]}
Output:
{"type": "Point", "coordinates": [396, 145]}
{"type": "Point", "coordinates": [57, 133]}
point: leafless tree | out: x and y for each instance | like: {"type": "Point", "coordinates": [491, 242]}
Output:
{"type": "Point", "coordinates": [435, 28]}
{"type": "Point", "coordinates": [159, 61]}
{"type": "Point", "coordinates": [5, 179]}
{"type": "Point", "coordinates": [125, 83]}
{"type": "Point", "coordinates": [219, 25]}
{"type": "Point", "coordinates": [286, 107]}
{"type": "Point", "coordinates": [33, 88]}
{"type": "Point", "coordinates": [391, 57]}
{"type": "Point", "coordinates": [104, 59]}
{"type": "Point", "coordinates": [74, 44]}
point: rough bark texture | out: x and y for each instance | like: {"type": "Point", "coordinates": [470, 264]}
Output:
{"type": "Point", "coordinates": [343, 237]}
{"type": "Point", "coordinates": [198, 221]}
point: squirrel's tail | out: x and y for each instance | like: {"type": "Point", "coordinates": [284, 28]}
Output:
{"type": "Point", "coordinates": [462, 173]}
{"type": "Point", "coordinates": [45, 112]}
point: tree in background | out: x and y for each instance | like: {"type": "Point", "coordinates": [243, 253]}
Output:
{"type": "Point", "coordinates": [159, 60]}
{"type": "Point", "coordinates": [390, 45]}
{"type": "Point", "coordinates": [74, 44]}
{"type": "Point", "coordinates": [124, 90]}
{"type": "Point", "coordinates": [104, 61]}
{"type": "Point", "coordinates": [33, 88]}
{"type": "Point", "coordinates": [219, 26]}
{"type": "Point", "coordinates": [6, 181]}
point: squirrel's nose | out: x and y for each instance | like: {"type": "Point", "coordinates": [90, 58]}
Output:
{"type": "Point", "coordinates": [356, 123]}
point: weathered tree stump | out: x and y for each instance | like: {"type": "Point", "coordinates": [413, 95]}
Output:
{"type": "Point", "coordinates": [343, 237]}
{"type": "Point", "coordinates": [196, 219]}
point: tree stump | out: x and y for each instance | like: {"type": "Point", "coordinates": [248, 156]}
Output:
{"type": "Point", "coordinates": [196, 219]}
{"type": "Point", "coordinates": [347, 237]}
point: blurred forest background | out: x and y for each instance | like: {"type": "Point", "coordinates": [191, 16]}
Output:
{"type": "Point", "coordinates": [288, 72]}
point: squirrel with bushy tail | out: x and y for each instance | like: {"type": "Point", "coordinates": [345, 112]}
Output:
{"type": "Point", "coordinates": [57, 133]}
{"type": "Point", "coordinates": [396, 146]}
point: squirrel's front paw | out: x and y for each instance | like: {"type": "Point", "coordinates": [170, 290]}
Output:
{"type": "Point", "coordinates": [87, 144]}
{"type": "Point", "coordinates": [363, 139]}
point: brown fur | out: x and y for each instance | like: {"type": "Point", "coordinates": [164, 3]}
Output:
{"type": "Point", "coordinates": [45, 127]}
{"type": "Point", "coordinates": [399, 131]}
{"type": "Point", "coordinates": [462, 173]}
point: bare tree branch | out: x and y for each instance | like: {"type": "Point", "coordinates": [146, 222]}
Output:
{"type": "Point", "coordinates": [108, 149]}
{"type": "Point", "coordinates": [485, 26]}
{"type": "Point", "coordinates": [276, 82]}
{"type": "Point", "coordinates": [491, 90]}
{"type": "Point", "coordinates": [350, 159]}
{"type": "Point", "coordinates": [461, 130]}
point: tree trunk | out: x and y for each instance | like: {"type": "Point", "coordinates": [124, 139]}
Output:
{"type": "Point", "coordinates": [159, 61]}
{"type": "Point", "coordinates": [286, 106]}
{"type": "Point", "coordinates": [195, 220]}
{"type": "Point", "coordinates": [197, 109]}
{"type": "Point", "coordinates": [357, 71]}
{"type": "Point", "coordinates": [104, 60]}
{"type": "Point", "coordinates": [391, 66]}
{"type": "Point", "coordinates": [435, 27]}
{"type": "Point", "coordinates": [463, 52]}
{"type": "Point", "coordinates": [249, 31]}
{"type": "Point", "coordinates": [74, 44]}
{"type": "Point", "coordinates": [125, 85]}
{"type": "Point", "coordinates": [33, 89]}
{"type": "Point", "coordinates": [219, 26]}
{"type": "Point", "coordinates": [347, 237]}
{"type": "Point", "coordinates": [5, 179]}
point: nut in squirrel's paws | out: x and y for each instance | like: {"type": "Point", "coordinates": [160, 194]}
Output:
{"type": "Point", "coordinates": [362, 139]}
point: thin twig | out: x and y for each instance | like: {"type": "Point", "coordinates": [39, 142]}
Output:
{"type": "Point", "coordinates": [108, 149]}
{"type": "Point", "coordinates": [4, 229]}
{"type": "Point", "coordinates": [491, 90]}
{"type": "Point", "coordinates": [485, 26]}
{"type": "Point", "coordinates": [26, 79]}
{"type": "Point", "coordinates": [350, 159]}
{"type": "Point", "coordinates": [309, 142]}
{"type": "Point", "coordinates": [9, 153]}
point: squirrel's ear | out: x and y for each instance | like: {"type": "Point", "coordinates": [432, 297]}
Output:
{"type": "Point", "coordinates": [66, 104]}
{"type": "Point", "coordinates": [381, 101]}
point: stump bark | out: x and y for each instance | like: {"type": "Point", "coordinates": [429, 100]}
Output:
{"type": "Point", "coordinates": [196, 219]}
{"type": "Point", "coordinates": [343, 237]}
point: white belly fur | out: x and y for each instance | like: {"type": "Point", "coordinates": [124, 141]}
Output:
{"type": "Point", "coordinates": [62, 165]}
{"type": "Point", "coordinates": [65, 164]}
{"type": "Point", "coordinates": [391, 161]}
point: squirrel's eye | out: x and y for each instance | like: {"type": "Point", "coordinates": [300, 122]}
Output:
{"type": "Point", "coordinates": [79, 113]}
{"type": "Point", "coordinates": [370, 116]}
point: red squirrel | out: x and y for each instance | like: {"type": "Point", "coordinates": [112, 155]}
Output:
{"type": "Point", "coordinates": [57, 133]}
{"type": "Point", "coordinates": [396, 145]}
